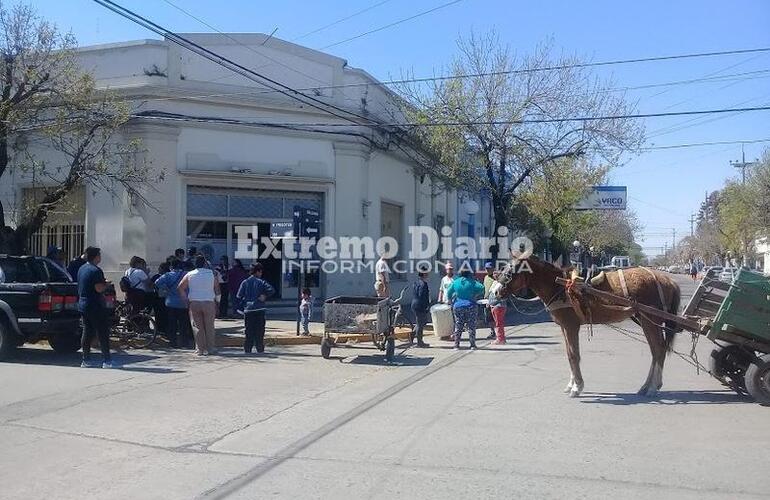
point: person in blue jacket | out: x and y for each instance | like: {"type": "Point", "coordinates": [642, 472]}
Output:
{"type": "Point", "coordinates": [252, 294]}
{"type": "Point", "coordinates": [463, 292]}
{"type": "Point", "coordinates": [177, 310]}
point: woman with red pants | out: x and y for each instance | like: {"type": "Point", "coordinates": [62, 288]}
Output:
{"type": "Point", "coordinates": [498, 315]}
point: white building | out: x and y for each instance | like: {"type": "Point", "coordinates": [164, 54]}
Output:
{"type": "Point", "coordinates": [219, 175]}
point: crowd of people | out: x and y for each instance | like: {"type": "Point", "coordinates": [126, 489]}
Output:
{"type": "Point", "coordinates": [185, 296]}
{"type": "Point", "coordinates": [187, 293]}
{"type": "Point", "coordinates": [464, 293]}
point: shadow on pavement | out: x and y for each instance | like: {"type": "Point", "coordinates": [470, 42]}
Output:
{"type": "Point", "coordinates": [665, 398]}
{"type": "Point", "coordinates": [399, 361]}
{"type": "Point", "coordinates": [45, 357]}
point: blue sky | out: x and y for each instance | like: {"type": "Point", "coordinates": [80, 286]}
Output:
{"type": "Point", "coordinates": [664, 187]}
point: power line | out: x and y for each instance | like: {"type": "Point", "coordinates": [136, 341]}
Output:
{"type": "Point", "coordinates": [701, 144]}
{"type": "Point", "coordinates": [381, 28]}
{"type": "Point", "coordinates": [750, 75]}
{"type": "Point", "coordinates": [341, 20]}
{"type": "Point", "coordinates": [225, 62]}
{"type": "Point", "coordinates": [533, 120]}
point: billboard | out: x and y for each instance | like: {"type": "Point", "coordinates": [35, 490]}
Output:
{"type": "Point", "coordinates": [604, 198]}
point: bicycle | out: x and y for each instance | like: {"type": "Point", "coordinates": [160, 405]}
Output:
{"type": "Point", "coordinates": [135, 330]}
{"type": "Point", "coordinates": [398, 318]}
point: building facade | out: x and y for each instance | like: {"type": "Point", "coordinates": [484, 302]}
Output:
{"type": "Point", "coordinates": [199, 124]}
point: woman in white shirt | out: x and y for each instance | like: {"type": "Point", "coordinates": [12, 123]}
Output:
{"type": "Point", "coordinates": [201, 289]}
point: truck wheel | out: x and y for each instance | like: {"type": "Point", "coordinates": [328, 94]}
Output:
{"type": "Point", "coordinates": [728, 364]}
{"type": "Point", "coordinates": [7, 341]}
{"type": "Point", "coordinates": [64, 343]}
{"type": "Point", "coordinates": [758, 380]}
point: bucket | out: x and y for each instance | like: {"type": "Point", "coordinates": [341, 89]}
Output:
{"type": "Point", "coordinates": [443, 320]}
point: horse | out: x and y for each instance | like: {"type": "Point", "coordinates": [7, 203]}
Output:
{"type": "Point", "coordinates": [640, 284]}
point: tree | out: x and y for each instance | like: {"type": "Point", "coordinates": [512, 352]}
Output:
{"type": "Point", "coordinates": [551, 193]}
{"type": "Point", "coordinates": [502, 118]}
{"type": "Point", "coordinates": [57, 130]}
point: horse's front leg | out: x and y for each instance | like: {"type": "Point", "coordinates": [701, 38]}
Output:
{"type": "Point", "coordinates": [572, 344]}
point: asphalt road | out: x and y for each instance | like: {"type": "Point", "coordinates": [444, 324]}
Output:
{"type": "Point", "coordinates": [491, 423]}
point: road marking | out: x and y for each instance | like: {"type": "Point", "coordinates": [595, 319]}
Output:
{"type": "Point", "coordinates": [233, 485]}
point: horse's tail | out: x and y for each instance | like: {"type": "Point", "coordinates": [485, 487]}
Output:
{"type": "Point", "coordinates": [671, 327]}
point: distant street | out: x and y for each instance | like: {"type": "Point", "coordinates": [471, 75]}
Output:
{"type": "Point", "coordinates": [442, 424]}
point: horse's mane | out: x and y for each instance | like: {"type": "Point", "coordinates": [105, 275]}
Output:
{"type": "Point", "coordinates": [545, 265]}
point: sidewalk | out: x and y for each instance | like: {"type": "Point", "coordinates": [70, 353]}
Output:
{"type": "Point", "coordinates": [278, 332]}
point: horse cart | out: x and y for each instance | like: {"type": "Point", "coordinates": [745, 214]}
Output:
{"type": "Point", "coordinates": [734, 316]}
{"type": "Point", "coordinates": [359, 318]}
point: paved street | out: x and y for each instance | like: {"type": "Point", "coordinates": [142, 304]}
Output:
{"type": "Point", "coordinates": [492, 423]}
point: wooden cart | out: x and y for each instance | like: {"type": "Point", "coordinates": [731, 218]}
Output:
{"type": "Point", "coordinates": [735, 316]}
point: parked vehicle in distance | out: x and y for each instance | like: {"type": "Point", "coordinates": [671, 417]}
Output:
{"type": "Point", "coordinates": [675, 269]}
{"type": "Point", "coordinates": [38, 301]}
{"type": "Point", "coordinates": [621, 261]}
{"type": "Point", "coordinates": [728, 273]}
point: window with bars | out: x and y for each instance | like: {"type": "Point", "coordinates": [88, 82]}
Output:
{"type": "Point", "coordinates": [69, 237]}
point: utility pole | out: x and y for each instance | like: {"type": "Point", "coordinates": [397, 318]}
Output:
{"type": "Point", "coordinates": [743, 164]}
{"type": "Point", "coordinates": [673, 239]}
{"type": "Point", "coordinates": [692, 225]}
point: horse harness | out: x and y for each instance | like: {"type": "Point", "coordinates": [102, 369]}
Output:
{"type": "Point", "coordinates": [623, 285]}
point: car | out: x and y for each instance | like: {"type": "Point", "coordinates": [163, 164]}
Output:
{"type": "Point", "coordinates": [38, 301]}
{"type": "Point", "coordinates": [728, 273]}
{"type": "Point", "coordinates": [675, 269]}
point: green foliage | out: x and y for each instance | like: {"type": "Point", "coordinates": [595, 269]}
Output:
{"type": "Point", "coordinates": [58, 132]}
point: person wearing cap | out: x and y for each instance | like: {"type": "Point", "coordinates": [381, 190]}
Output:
{"type": "Point", "coordinates": [489, 280]}
{"type": "Point", "coordinates": [55, 255]}
{"type": "Point", "coordinates": [446, 282]}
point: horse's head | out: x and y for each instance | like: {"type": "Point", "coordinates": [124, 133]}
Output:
{"type": "Point", "coordinates": [511, 279]}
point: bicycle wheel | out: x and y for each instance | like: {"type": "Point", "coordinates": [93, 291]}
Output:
{"type": "Point", "coordinates": [140, 331]}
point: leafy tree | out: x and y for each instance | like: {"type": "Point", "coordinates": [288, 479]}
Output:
{"type": "Point", "coordinates": [57, 130]}
{"type": "Point", "coordinates": [501, 120]}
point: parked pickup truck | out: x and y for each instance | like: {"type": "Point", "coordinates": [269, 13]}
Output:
{"type": "Point", "coordinates": [38, 301]}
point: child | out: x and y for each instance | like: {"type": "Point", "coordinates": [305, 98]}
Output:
{"type": "Point", "coordinates": [306, 310]}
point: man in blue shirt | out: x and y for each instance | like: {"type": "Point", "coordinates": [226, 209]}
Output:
{"type": "Point", "coordinates": [252, 295]}
{"type": "Point", "coordinates": [177, 311]}
{"type": "Point", "coordinates": [91, 286]}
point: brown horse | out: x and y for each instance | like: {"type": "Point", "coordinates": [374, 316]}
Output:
{"type": "Point", "coordinates": [645, 286]}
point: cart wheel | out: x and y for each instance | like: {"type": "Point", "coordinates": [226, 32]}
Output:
{"type": "Point", "coordinates": [390, 349]}
{"type": "Point", "coordinates": [758, 379]}
{"type": "Point", "coordinates": [326, 348]}
{"type": "Point", "coordinates": [728, 364]}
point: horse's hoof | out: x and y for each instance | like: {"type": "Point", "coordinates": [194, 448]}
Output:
{"type": "Point", "coordinates": [568, 389]}
{"type": "Point", "coordinates": [574, 393]}
{"type": "Point", "coordinates": [651, 392]}
{"type": "Point", "coordinates": [642, 391]}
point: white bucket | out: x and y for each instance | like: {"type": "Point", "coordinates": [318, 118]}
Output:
{"type": "Point", "coordinates": [443, 320]}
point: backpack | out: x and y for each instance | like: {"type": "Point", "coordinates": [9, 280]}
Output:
{"type": "Point", "coordinates": [125, 284]}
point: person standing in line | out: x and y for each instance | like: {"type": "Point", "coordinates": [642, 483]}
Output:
{"type": "Point", "coordinates": [693, 270]}
{"type": "Point", "coordinates": [463, 293]}
{"type": "Point", "coordinates": [223, 270]}
{"type": "Point", "coordinates": [138, 284]}
{"type": "Point", "coordinates": [192, 252]}
{"type": "Point", "coordinates": [306, 310]}
{"type": "Point", "coordinates": [199, 288]}
{"type": "Point", "coordinates": [75, 264]}
{"type": "Point", "coordinates": [497, 306]}
{"type": "Point", "coordinates": [253, 293]}
{"type": "Point", "coordinates": [446, 282]}
{"type": "Point", "coordinates": [420, 305]}
{"type": "Point", "coordinates": [235, 276]}
{"type": "Point", "coordinates": [176, 307]}
{"type": "Point", "coordinates": [382, 277]}
{"type": "Point", "coordinates": [489, 280]}
{"type": "Point", "coordinates": [91, 286]}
